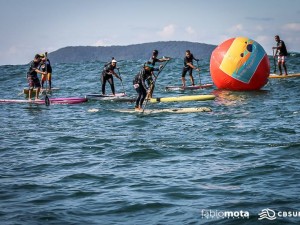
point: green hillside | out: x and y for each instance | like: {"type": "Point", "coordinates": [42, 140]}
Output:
{"type": "Point", "coordinates": [174, 49]}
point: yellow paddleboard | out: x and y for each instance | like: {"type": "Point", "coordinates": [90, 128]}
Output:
{"type": "Point", "coordinates": [275, 76]}
{"type": "Point", "coordinates": [184, 98]}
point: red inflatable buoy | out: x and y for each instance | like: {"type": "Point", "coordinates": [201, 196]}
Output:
{"type": "Point", "coordinates": [239, 64]}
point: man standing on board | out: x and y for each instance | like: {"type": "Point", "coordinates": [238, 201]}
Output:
{"type": "Point", "coordinates": [32, 78]}
{"type": "Point", "coordinates": [282, 54]}
{"type": "Point", "coordinates": [152, 61]}
{"type": "Point", "coordinates": [188, 67]}
{"type": "Point", "coordinates": [139, 84]}
{"type": "Point", "coordinates": [107, 75]}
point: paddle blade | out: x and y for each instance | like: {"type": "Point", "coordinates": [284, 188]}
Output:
{"type": "Point", "coordinates": [47, 101]}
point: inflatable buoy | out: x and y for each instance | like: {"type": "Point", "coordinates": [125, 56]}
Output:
{"type": "Point", "coordinates": [239, 64]}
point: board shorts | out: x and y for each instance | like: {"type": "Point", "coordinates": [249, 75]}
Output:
{"type": "Point", "coordinates": [33, 82]}
{"type": "Point", "coordinates": [185, 70]}
{"type": "Point", "coordinates": [281, 58]}
{"type": "Point", "coordinates": [46, 77]}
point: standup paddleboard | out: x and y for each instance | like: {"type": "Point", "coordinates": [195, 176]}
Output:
{"type": "Point", "coordinates": [74, 100]}
{"type": "Point", "coordinates": [174, 110]}
{"type": "Point", "coordinates": [184, 98]}
{"type": "Point", "coordinates": [276, 76]}
{"type": "Point", "coordinates": [26, 90]}
{"type": "Point", "coordinates": [120, 97]}
{"type": "Point", "coordinates": [182, 88]}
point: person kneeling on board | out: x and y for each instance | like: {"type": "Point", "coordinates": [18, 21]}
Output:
{"type": "Point", "coordinates": [32, 78]}
{"type": "Point", "coordinates": [107, 75]}
{"type": "Point", "coordinates": [188, 67]}
{"type": "Point", "coordinates": [140, 84]}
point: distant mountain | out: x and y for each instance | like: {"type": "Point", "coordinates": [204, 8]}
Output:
{"type": "Point", "coordinates": [174, 49]}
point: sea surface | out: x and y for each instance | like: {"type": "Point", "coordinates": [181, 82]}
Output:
{"type": "Point", "coordinates": [62, 164]}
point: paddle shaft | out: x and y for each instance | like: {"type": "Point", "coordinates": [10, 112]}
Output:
{"type": "Point", "coordinates": [121, 80]}
{"type": "Point", "coordinates": [155, 82]}
{"type": "Point", "coordinates": [199, 72]}
{"type": "Point", "coordinates": [274, 60]}
{"type": "Point", "coordinates": [47, 101]}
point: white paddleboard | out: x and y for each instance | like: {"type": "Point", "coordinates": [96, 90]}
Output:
{"type": "Point", "coordinates": [117, 97]}
{"type": "Point", "coordinates": [171, 110]}
{"type": "Point", "coordinates": [183, 88]}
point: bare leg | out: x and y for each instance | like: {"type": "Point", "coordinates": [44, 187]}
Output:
{"type": "Point", "coordinates": [151, 89]}
{"type": "Point", "coordinates": [183, 81]}
{"type": "Point", "coordinates": [284, 67]}
{"type": "Point", "coordinates": [29, 94]}
{"type": "Point", "coordinates": [192, 80]}
{"type": "Point", "coordinates": [279, 67]}
{"type": "Point", "coordinates": [37, 93]}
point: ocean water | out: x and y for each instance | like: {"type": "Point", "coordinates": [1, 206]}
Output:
{"type": "Point", "coordinates": [65, 165]}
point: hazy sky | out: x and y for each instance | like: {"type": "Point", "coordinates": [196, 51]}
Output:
{"type": "Point", "coordinates": [35, 26]}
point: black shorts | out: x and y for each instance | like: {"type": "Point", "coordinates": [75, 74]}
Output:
{"type": "Point", "coordinates": [185, 70]}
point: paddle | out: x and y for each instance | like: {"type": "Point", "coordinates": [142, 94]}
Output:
{"type": "Point", "coordinates": [121, 80]}
{"type": "Point", "coordinates": [47, 101]}
{"type": "Point", "coordinates": [274, 60]}
{"type": "Point", "coordinates": [147, 99]}
{"type": "Point", "coordinates": [199, 72]}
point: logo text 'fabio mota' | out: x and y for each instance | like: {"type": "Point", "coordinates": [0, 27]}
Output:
{"type": "Point", "coordinates": [219, 214]}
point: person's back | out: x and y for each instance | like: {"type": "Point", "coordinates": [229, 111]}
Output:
{"type": "Point", "coordinates": [282, 51]}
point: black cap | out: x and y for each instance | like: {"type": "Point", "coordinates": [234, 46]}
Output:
{"type": "Point", "coordinates": [155, 52]}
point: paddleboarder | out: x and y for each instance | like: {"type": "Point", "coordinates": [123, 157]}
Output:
{"type": "Point", "coordinates": [152, 61]}
{"type": "Point", "coordinates": [43, 65]}
{"type": "Point", "coordinates": [154, 58]}
{"type": "Point", "coordinates": [32, 78]}
{"type": "Point", "coordinates": [282, 53]}
{"type": "Point", "coordinates": [140, 84]}
{"type": "Point", "coordinates": [107, 75]}
{"type": "Point", "coordinates": [188, 67]}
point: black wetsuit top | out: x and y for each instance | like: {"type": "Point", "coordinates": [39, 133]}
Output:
{"type": "Point", "coordinates": [108, 69]}
{"type": "Point", "coordinates": [49, 68]}
{"type": "Point", "coordinates": [188, 60]}
{"type": "Point", "coordinates": [141, 77]}
{"type": "Point", "coordinates": [153, 61]}
{"type": "Point", "coordinates": [282, 48]}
